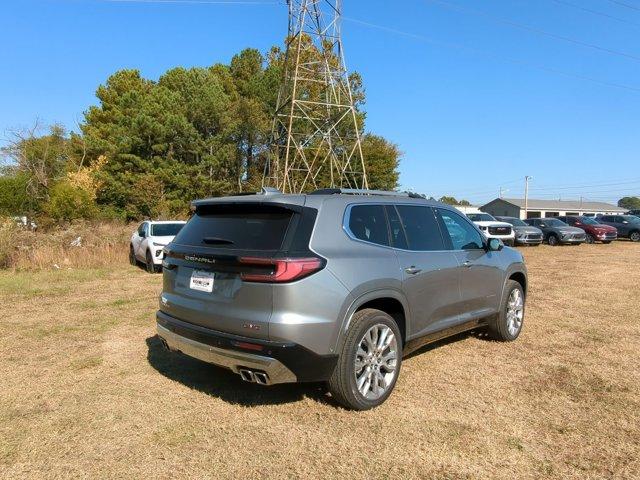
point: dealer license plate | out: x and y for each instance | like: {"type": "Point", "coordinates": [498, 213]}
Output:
{"type": "Point", "coordinates": [202, 281]}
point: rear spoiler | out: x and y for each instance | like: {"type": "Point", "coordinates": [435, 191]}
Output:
{"type": "Point", "coordinates": [228, 202]}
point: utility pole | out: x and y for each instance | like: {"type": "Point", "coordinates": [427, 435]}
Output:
{"type": "Point", "coordinates": [315, 138]}
{"type": "Point", "coordinates": [526, 195]}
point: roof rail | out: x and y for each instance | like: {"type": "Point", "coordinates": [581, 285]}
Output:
{"type": "Point", "coordinates": [357, 191]}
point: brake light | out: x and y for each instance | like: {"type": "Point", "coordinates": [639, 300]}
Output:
{"type": "Point", "coordinates": [280, 270]}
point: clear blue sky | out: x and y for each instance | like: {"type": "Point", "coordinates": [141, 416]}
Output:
{"type": "Point", "coordinates": [477, 94]}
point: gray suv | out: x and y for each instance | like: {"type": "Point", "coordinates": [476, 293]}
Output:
{"type": "Point", "coordinates": [332, 286]}
{"type": "Point", "coordinates": [556, 232]}
{"type": "Point", "coordinates": [525, 234]}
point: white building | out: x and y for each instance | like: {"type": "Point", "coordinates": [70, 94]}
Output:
{"type": "Point", "coordinates": [468, 209]}
{"type": "Point", "coordinates": [514, 207]}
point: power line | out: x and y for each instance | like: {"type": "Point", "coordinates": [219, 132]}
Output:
{"type": "Point", "coordinates": [632, 7]}
{"type": "Point", "coordinates": [596, 12]}
{"type": "Point", "coordinates": [535, 29]}
{"type": "Point", "coordinates": [597, 185]}
{"type": "Point", "coordinates": [476, 51]}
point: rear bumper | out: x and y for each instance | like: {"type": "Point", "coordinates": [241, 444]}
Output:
{"type": "Point", "coordinates": [281, 362]}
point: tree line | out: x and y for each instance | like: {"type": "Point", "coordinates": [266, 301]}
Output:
{"type": "Point", "coordinates": [148, 147]}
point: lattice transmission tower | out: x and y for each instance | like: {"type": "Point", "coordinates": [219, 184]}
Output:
{"type": "Point", "coordinates": [315, 140]}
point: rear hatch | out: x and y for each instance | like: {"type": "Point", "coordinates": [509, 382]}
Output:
{"type": "Point", "coordinates": [220, 269]}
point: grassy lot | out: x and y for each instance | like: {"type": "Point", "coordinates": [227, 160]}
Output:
{"type": "Point", "coordinates": [86, 389]}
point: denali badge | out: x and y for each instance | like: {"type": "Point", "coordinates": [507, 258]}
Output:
{"type": "Point", "coordinates": [191, 258]}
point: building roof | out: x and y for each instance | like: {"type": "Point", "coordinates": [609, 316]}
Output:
{"type": "Point", "coordinates": [564, 205]}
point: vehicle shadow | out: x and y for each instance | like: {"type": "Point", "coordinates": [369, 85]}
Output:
{"type": "Point", "coordinates": [224, 384]}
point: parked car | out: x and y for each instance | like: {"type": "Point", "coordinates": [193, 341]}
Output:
{"type": "Point", "coordinates": [492, 228]}
{"type": "Point", "coordinates": [595, 231]}
{"type": "Point", "coordinates": [556, 232]}
{"type": "Point", "coordinates": [149, 240]}
{"type": "Point", "coordinates": [628, 226]}
{"type": "Point", "coordinates": [524, 234]}
{"type": "Point", "coordinates": [303, 288]}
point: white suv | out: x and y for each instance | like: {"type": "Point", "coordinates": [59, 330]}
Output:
{"type": "Point", "coordinates": [493, 228]}
{"type": "Point", "coordinates": [148, 241]}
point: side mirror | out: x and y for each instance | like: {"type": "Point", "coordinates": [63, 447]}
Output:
{"type": "Point", "coordinates": [495, 245]}
{"type": "Point", "coordinates": [142, 234]}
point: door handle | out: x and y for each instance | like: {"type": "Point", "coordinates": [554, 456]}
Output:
{"type": "Point", "coordinates": [412, 270]}
{"type": "Point", "coordinates": [467, 264]}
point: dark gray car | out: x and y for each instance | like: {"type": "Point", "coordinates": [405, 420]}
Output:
{"type": "Point", "coordinates": [334, 286]}
{"type": "Point", "coordinates": [628, 226]}
{"type": "Point", "coordinates": [556, 232]}
{"type": "Point", "coordinates": [525, 234]}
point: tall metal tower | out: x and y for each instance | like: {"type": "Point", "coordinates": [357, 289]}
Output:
{"type": "Point", "coordinates": [315, 139]}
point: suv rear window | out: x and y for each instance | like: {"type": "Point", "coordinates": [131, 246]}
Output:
{"type": "Point", "coordinates": [368, 223]}
{"type": "Point", "coordinates": [243, 227]}
{"type": "Point", "coordinates": [166, 229]}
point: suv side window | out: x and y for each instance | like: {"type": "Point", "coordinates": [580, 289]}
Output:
{"type": "Point", "coordinates": [421, 228]}
{"type": "Point", "coordinates": [606, 218]}
{"type": "Point", "coordinates": [368, 223]}
{"type": "Point", "coordinates": [398, 235]}
{"type": "Point", "coordinates": [463, 235]}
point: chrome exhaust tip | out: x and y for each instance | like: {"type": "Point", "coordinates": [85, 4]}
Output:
{"type": "Point", "coordinates": [247, 375]}
{"type": "Point", "coordinates": [261, 378]}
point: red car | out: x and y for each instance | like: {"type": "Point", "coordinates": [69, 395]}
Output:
{"type": "Point", "coordinates": [595, 231]}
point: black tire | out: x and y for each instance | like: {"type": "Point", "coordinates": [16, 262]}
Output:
{"type": "Point", "coordinates": [634, 236]}
{"type": "Point", "coordinates": [342, 383]}
{"type": "Point", "coordinates": [553, 240]}
{"type": "Point", "coordinates": [151, 268]}
{"type": "Point", "coordinates": [590, 239]}
{"type": "Point", "coordinates": [498, 326]}
{"type": "Point", "coordinates": [132, 256]}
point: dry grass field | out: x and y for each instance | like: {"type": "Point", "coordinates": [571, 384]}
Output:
{"type": "Point", "coordinates": [87, 391]}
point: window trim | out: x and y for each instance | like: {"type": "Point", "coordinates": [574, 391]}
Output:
{"type": "Point", "coordinates": [445, 239]}
{"type": "Point", "coordinates": [347, 217]}
{"type": "Point", "coordinates": [448, 240]}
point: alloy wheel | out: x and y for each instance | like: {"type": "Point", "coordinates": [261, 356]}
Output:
{"type": "Point", "coordinates": [635, 236]}
{"type": "Point", "coordinates": [515, 311]}
{"type": "Point", "coordinates": [591, 239]}
{"type": "Point", "coordinates": [376, 361]}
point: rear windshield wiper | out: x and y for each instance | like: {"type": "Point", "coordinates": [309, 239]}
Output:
{"type": "Point", "coordinates": [216, 241]}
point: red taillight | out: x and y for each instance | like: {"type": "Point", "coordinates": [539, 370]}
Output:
{"type": "Point", "coordinates": [282, 270]}
{"type": "Point", "coordinates": [248, 346]}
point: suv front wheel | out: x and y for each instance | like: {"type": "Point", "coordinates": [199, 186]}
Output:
{"type": "Point", "coordinates": [507, 324]}
{"type": "Point", "coordinates": [369, 363]}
